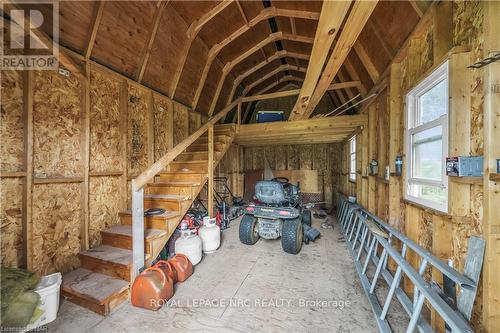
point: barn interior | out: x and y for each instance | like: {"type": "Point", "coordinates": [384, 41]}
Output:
{"type": "Point", "coordinates": [386, 115]}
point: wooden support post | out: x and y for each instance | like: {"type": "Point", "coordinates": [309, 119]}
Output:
{"type": "Point", "coordinates": [137, 230]}
{"type": "Point", "coordinates": [210, 194]}
{"type": "Point", "coordinates": [28, 84]}
{"type": "Point", "coordinates": [239, 114]}
{"type": "Point", "coordinates": [372, 154]}
{"type": "Point", "coordinates": [459, 128]}
{"type": "Point", "coordinates": [442, 21]}
{"type": "Point", "coordinates": [85, 155]}
{"type": "Point", "coordinates": [123, 132]}
{"type": "Point", "coordinates": [491, 209]}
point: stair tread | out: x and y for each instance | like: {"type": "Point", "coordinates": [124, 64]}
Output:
{"type": "Point", "coordinates": [110, 254]}
{"type": "Point", "coordinates": [93, 286]}
{"type": "Point", "coordinates": [167, 197]}
{"type": "Point", "coordinates": [126, 230]}
{"type": "Point", "coordinates": [192, 161]}
{"type": "Point", "coordinates": [182, 172]}
{"type": "Point", "coordinates": [175, 184]}
{"type": "Point", "coordinates": [166, 215]}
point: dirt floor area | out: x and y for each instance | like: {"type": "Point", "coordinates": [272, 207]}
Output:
{"type": "Point", "coordinates": [244, 288]}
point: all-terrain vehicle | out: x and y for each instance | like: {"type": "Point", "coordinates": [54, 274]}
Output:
{"type": "Point", "coordinates": [277, 212]}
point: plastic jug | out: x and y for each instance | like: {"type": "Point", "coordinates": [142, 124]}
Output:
{"type": "Point", "coordinates": [210, 235]}
{"type": "Point", "coordinates": [167, 268]}
{"type": "Point", "coordinates": [190, 245]}
{"type": "Point", "coordinates": [151, 289]}
{"type": "Point", "coordinates": [182, 266]}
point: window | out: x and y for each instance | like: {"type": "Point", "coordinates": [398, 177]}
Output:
{"type": "Point", "coordinates": [427, 141]}
{"type": "Point", "coordinates": [352, 159]}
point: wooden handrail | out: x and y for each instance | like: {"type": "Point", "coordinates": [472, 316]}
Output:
{"type": "Point", "coordinates": [148, 175]}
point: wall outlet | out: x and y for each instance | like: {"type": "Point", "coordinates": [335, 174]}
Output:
{"type": "Point", "coordinates": [64, 72]}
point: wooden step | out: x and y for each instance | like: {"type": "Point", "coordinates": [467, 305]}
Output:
{"type": "Point", "coordinates": [182, 177]}
{"type": "Point", "coordinates": [121, 236]}
{"type": "Point", "coordinates": [218, 147]}
{"type": "Point", "coordinates": [166, 201]}
{"type": "Point", "coordinates": [94, 291]}
{"type": "Point", "coordinates": [228, 129]}
{"type": "Point", "coordinates": [177, 188]}
{"type": "Point", "coordinates": [109, 260]}
{"type": "Point", "coordinates": [196, 155]}
{"type": "Point", "coordinates": [217, 138]}
{"type": "Point", "coordinates": [192, 166]}
{"type": "Point", "coordinates": [153, 222]}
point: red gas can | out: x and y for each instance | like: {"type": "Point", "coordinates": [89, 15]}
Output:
{"type": "Point", "coordinates": [151, 289]}
{"type": "Point", "coordinates": [182, 267]}
{"type": "Point", "coordinates": [167, 268]}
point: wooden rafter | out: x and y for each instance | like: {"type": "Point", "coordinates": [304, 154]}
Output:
{"type": "Point", "coordinates": [343, 78]}
{"type": "Point", "coordinates": [242, 12]}
{"type": "Point", "coordinates": [353, 73]}
{"type": "Point", "coordinates": [230, 65]}
{"type": "Point", "coordinates": [95, 27]}
{"type": "Point", "coordinates": [263, 15]}
{"type": "Point", "coordinates": [64, 58]}
{"type": "Point", "coordinates": [357, 19]}
{"type": "Point", "coordinates": [332, 16]}
{"type": "Point", "coordinates": [277, 55]}
{"type": "Point", "coordinates": [367, 61]}
{"type": "Point", "coordinates": [191, 35]}
{"type": "Point", "coordinates": [277, 70]}
{"type": "Point", "coordinates": [418, 7]}
{"type": "Point", "coordinates": [151, 37]}
{"type": "Point", "coordinates": [292, 24]}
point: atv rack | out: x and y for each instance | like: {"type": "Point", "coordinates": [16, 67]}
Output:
{"type": "Point", "coordinates": [364, 233]}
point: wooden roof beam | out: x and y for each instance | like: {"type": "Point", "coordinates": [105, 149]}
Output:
{"type": "Point", "coordinates": [367, 61]}
{"type": "Point", "coordinates": [96, 21]}
{"type": "Point", "coordinates": [230, 65]}
{"type": "Point", "coordinates": [146, 53]}
{"type": "Point", "coordinates": [357, 19]}
{"type": "Point", "coordinates": [278, 94]}
{"type": "Point", "coordinates": [331, 18]}
{"type": "Point", "coordinates": [265, 14]}
{"type": "Point", "coordinates": [353, 73]}
{"type": "Point", "coordinates": [277, 70]}
{"type": "Point", "coordinates": [191, 34]}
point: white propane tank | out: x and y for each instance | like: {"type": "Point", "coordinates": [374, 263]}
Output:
{"type": "Point", "coordinates": [189, 244]}
{"type": "Point", "coordinates": [210, 235]}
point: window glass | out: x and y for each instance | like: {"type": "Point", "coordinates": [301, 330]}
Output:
{"type": "Point", "coordinates": [428, 153]}
{"type": "Point", "coordinates": [433, 103]}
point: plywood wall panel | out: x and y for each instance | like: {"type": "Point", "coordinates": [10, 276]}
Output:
{"type": "Point", "coordinates": [56, 227]}
{"type": "Point", "coordinates": [137, 130]}
{"type": "Point", "coordinates": [56, 126]}
{"type": "Point", "coordinates": [11, 222]}
{"type": "Point", "coordinates": [105, 137]}
{"type": "Point", "coordinates": [162, 112]}
{"type": "Point", "coordinates": [181, 123]}
{"type": "Point", "coordinates": [11, 121]}
{"type": "Point", "coordinates": [194, 122]}
{"type": "Point", "coordinates": [104, 206]}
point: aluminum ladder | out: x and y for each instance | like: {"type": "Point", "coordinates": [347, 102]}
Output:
{"type": "Point", "coordinates": [366, 234]}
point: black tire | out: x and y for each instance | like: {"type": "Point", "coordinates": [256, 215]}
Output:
{"type": "Point", "coordinates": [306, 217]}
{"type": "Point", "coordinates": [249, 234]}
{"type": "Point", "coordinates": [292, 236]}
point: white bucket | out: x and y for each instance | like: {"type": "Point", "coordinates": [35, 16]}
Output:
{"type": "Point", "coordinates": [49, 290]}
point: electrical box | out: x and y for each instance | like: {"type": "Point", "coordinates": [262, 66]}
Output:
{"type": "Point", "coordinates": [464, 166]}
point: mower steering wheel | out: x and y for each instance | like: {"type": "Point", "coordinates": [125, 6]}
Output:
{"type": "Point", "coordinates": [282, 180]}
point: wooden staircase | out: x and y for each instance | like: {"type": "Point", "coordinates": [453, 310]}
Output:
{"type": "Point", "coordinates": [103, 280]}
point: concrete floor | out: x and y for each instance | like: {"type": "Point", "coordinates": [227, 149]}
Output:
{"type": "Point", "coordinates": [256, 288]}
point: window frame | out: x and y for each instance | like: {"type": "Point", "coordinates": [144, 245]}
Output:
{"type": "Point", "coordinates": [352, 151]}
{"type": "Point", "coordinates": [412, 127]}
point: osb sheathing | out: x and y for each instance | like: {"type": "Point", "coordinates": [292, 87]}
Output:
{"type": "Point", "coordinates": [162, 110]}
{"type": "Point", "coordinates": [104, 206]}
{"type": "Point", "coordinates": [11, 121]}
{"type": "Point", "coordinates": [137, 130]}
{"type": "Point", "coordinates": [181, 123]}
{"type": "Point", "coordinates": [11, 222]}
{"type": "Point", "coordinates": [56, 227]}
{"type": "Point", "coordinates": [194, 122]}
{"type": "Point", "coordinates": [56, 126]}
{"type": "Point", "coordinates": [105, 137]}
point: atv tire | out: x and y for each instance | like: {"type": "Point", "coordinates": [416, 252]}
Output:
{"type": "Point", "coordinates": [292, 236]}
{"type": "Point", "coordinates": [249, 234]}
{"type": "Point", "coordinates": [306, 217]}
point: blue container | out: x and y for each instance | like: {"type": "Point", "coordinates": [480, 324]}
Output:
{"type": "Point", "coordinates": [270, 116]}
{"type": "Point", "coordinates": [498, 165]}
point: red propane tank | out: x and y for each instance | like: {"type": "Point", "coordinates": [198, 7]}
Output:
{"type": "Point", "coordinates": [151, 289]}
{"type": "Point", "coordinates": [182, 266]}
